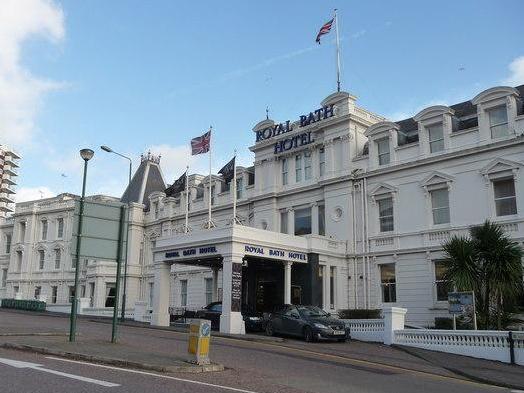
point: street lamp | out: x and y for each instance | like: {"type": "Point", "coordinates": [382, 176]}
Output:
{"type": "Point", "coordinates": [109, 150]}
{"type": "Point", "coordinates": [86, 155]}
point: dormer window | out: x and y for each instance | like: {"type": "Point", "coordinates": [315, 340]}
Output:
{"type": "Point", "coordinates": [498, 122]}
{"type": "Point", "coordinates": [383, 151]}
{"type": "Point", "coordinates": [436, 138]}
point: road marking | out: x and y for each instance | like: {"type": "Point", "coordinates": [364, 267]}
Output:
{"type": "Point", "coordinates": [153, 375]}
{"type": "Point", "coordinates": [38, 367]}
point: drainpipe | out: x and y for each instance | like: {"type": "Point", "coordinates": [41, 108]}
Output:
{"type": "Point", "coordinates": [354, 248]}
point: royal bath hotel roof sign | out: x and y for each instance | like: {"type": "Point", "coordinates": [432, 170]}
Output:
{"type": "Point", "coordinates": [300, 139]}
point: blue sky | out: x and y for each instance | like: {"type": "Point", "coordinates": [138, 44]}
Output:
{"type": "Point", "coordinates": [140, 75]}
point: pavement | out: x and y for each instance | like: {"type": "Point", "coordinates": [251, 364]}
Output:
{"type": "Point", "coordinates": [260, 365]}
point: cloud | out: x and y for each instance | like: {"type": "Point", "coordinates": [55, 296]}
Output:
{"type": "Point", "coordinates": [516, 69]}
{"type": "Point", "coordinates": [21, 93]}
{"type": "Point", "coordinates": [174, 160]}
{"type": "Point", "coordinates": [358, 34]}
{"type": "Point", "coordinates": [25, 194]}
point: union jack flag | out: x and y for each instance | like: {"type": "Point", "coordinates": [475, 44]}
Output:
{"type": "Point", "coordinates": [324, 30]}
{"type": "Point", "coordinates": [201, 144]}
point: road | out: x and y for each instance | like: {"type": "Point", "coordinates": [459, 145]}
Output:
{"type": "Point", "coordinates": [251, 367]}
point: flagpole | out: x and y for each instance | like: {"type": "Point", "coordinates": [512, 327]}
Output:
{"type": "Point", "coordinates": [209, 199]}
{"type": "Point", "coordinates": [186, 228]}
{"type": "Point", "coordinates": [235, 188]}
{"type": "Point", "coordinates": [338, 51]}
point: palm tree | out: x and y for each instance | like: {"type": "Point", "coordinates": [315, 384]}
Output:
{"type": "Point", "coordinates": [490, 264]}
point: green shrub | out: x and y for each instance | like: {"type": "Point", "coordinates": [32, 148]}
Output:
{"type": "Point", "coordinates": [443, 323]}
{"type": "Point", "coordinates": [359, 314]}
{"type": "Point", "coordinates": [28, 305]}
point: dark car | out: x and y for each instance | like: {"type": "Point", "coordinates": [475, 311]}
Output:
{"type": "Point", "coordinates": [212, 312]}
{"type": "Point", "coordinates": [309, 322]}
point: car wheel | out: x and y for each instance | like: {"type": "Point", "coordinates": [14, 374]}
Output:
{"type": "Point", "coordinates": [269, 329]}
{"type": "Point", "coordinates": [308, 334]}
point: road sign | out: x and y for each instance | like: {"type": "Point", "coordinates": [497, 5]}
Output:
{"type": "Point", "coordinates": [100, 230]}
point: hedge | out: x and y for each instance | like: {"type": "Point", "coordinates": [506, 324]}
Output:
{"type": "Point", "coordinates": [29, 305]}
{"type": "Point", "coordinates": [359, 314]}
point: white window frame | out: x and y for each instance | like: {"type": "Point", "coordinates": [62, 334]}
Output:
{"type": "Point", "coordinates": [41, 259]}
{"type": "Point", "coordinates": [60, 228]}
{"type": "Point", "coordinates": [44, 223]}
{"type": "Point", "coordinates": [436, 282]}
{"type": "Point", "coordinates": [298, 168]}
{"type": "Point", "coordinates": [308, 165]}
{"type": "Point", "coordinates": [285, 171]}
{"type": "Point", "coordinates": [433, 208]}
{"type": "Point", "coordinates": [504, 109]}
{"type": "Point", "coordinates": [431, 142]}
{"type": "Point", "coordinates": [383, 154]}
{"type": "Point", "coordinates": [378, 201]}
{"type": "Point", "coordinates": [284, 221]}
{"type": "Point", "coordinates": [383, 285]}
{"type": "Point", "coordinates": [495, 199]}
{"type": "Point", "coordinates": [58, 258]}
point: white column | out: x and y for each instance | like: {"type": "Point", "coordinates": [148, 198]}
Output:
{"type": "Point", "coordinates": [314, 218]}
{"type": "Point", "coordinates": [231, 319]}
{"type": "Point", "coordinates": [291, 221]}
{"type": "Point", "coordinates": [393, 320]}
{"type": "Point", "coordinates": [287, 282]}
{"type": "Point", "coordinates": [215, 284]}
{"type": "Point", "coordinates": [99, 298]}
{"type": "Point", "coordinates": [329, 149]}
{"type": "Point", "coordinates": [161, 289]}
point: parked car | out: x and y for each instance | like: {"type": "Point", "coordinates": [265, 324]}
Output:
{"type": "Point", "coordinates": [253, 321]}
{"type": "Point", "coordinates": [309, 322]}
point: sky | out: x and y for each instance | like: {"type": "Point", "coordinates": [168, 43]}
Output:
{"type": "Point", "coordinates": [144, 76]}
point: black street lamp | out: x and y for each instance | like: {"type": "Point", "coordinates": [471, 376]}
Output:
{"type": "Point", "coordinates": [86, 155]}
{"type": "Point", "coordinates": [109, 150]}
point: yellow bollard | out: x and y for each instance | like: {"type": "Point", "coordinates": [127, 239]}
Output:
{"type": "Point", "coordinates": [199, 337]}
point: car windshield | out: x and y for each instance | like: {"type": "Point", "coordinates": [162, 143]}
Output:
{"type": "Point", "coordinates": [311, 311]}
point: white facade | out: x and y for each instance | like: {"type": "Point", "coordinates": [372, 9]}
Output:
{"type": "Point", "coordinates": [373, 199]}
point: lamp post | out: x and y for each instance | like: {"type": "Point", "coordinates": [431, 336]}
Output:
{"type": "Point", "coordinates": [86, 155]}
{"type": "Point", "coordinates": [109, 150]}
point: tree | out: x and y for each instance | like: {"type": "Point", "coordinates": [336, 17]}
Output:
{"type": "Point", "coordinates": [490, 264]}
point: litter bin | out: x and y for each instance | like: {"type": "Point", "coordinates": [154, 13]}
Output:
{"type": "Point", "coordinates": [199, 337]}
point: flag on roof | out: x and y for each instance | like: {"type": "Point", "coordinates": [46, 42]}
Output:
{"type": "Point", "coordinates": [201, 144]}
{"type": "Point", "coordinates": [324, 30]}
{"type": "Point", "coordinates": [178, 186]}
{"type": "Point", "coordinates": [228, 171]}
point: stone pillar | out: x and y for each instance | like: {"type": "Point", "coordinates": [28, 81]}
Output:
{"type": "Point", "coordinates": [231, 319]}
{"type": "Point", "coordinates": [161, 289]}
{"type": "Point", "coordinates": [99, 299]}
{"type": "Point", "coordinates": [314, 218]}
{"type": "Point", "coordinates": [291, 221]}
{"type": "Point", "coordinates": [215, 284]}
{"type": "Point", "coordinates": [329, 149]}
{"type": "Point", "coordinates": [393, 320]}
{"type": "Point", "coordinates": [287, 282]}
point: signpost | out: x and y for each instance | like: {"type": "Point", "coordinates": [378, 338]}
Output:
{"type": "Point", "coordinates": [462, 304]}
{"type": "Point", "coordinates": [102, 233]}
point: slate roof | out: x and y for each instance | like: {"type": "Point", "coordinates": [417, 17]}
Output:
{"type": "Point", "coordinates": [146, 180]}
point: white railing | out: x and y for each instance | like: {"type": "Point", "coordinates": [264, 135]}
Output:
{"type": "Point", "coordinates": [484, 344]}
{"type": "Point", "coordinates": [366, 329]}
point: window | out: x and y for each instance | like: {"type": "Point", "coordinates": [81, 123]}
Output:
{"type": "Point", "coordinates": [332, 289]}
{"type": "Point", "coordinates": [321, 220]}
{"type": "Point", "coordinates": [54, 293]}
{"type": "Point", "coordinates": [44, 229]}
{"type": "Point", "coordinates": [303, 221]}
{"type": "Point", "coordinates": [151, 293]}
{"type": "Point", "coordinates": [383, 151]}
{"type": "Point", "coordinates": [298, 168]}
{"type": "Point", "coordinates": [442, 286]}
{"type": "Point", "coordinates": [183, 293]}
{"type": "Point", "coordinates": [505, 199]}
{"type": "Point", "coordinates": [436, 138]}
{"type": "Point", "coordinates": [41, 259]}
{"type": "Point", "coordinates": [498, 122]}
{"type": "Point", "coordinates": [250, 178]}
{"type": "Point", "coordinates": [226, 186]}
{"type": "Point", "coordinates": [155, 209]}
{"type": "Point", "coordinates": [240, 185]}
{"type": "Point", "coordinates": [22, 228]}
{"type": "Point", "coordinates": [71, 293]}
{"type": "Point", "coordinates": [212, 194]}
{"type": "Point", "coordinates": [307, 165]}
{"type": "Point", "coordinates": [82, 291]}
{"type": "Point", "coordinates": [440, 206]}
{"type": "Point", "coordinates": [16, 289]}
{"type": "Point", "coordinates": [283, 221]}
{"type": "Point", "coordinates": [110, 295]}
{"type": "Point", "coordinates": [8, 237]}
{"type": "Point", "coordinates": [4, 278]}
{"type": "Point", "coordinates": [19, 257]}
{"type": "Point", "coordinates": [209, 290]}
{"type": "Point", "coordinates": [284, 171]}
{"type": "Point", "coordinates": [322, 161]}
{"type": "Point", "coordinates": [58, 258]}
{"type": "Point", "coordinates": [385, 214]}
{"type": "Point", "coordinates": [388, 283]}
{"type": "Point", "coordinates": [38, 290]}
{"type": "Point", "coordinates": [60, 228]}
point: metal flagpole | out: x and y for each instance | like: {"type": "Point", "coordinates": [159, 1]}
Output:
{"type": "Point", "coordinates": [338, 51]}
{"type": "Point", "coordinates": [187, 201]}
{"type": "Point", "coordinates": [235, 188]}
{"type": "Point", "coordinates": [209, 224]}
